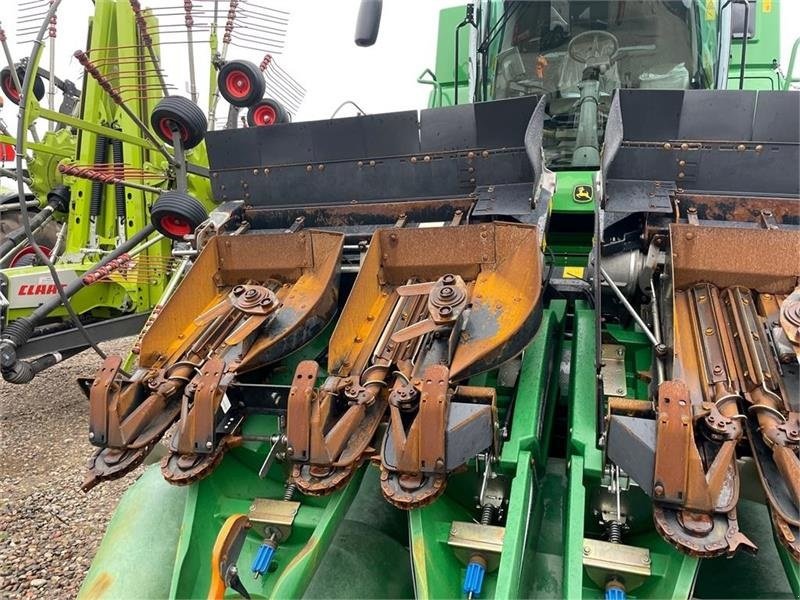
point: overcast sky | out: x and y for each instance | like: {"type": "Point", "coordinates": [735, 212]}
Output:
{"type": "Point", "coordinates": [319, 51]}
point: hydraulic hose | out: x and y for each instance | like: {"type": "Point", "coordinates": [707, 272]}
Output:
{"type": "Point", "coordinates": [13, 238]}
{"type": "Point", "coordinates": [20, 331]}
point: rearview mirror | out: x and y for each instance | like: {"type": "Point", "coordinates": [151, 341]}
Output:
{"type": "Point", "coordinates": [369, 22]}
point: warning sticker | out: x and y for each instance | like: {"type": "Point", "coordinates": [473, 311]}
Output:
{"type": "Point", "coordinates": [573, 272]}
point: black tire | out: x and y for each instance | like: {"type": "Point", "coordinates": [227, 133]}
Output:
{"type": "Point", "coordinates": [241, 83]}
{"type": "Point", "coordinates": [10, 90]}
{"type": "Point", "coordinates": [12, 220]}
{"type": "Point", "coordinates": [177, 214]}
{"type": "Point", "coordinates": [267, 112]}
{"type": "Point", "coordinates": [181, 113]}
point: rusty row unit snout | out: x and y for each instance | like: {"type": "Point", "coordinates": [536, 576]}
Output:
{"type": "Point", "coordinates": [428, 309]}
{"type": "Point", "coordinates": [247, 302]}
{"type": "Point", "coordinates": [733, 390]}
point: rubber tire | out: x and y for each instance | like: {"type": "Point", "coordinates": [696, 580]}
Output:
{"type": "Point", "coordinates": [256, 79]}
{"type": "Point", "coordinates": [12, 220]}
{"type": "Point", "coordinates": [7, 83]}
{"type": "Point", "coordinates": [177, 205]}
{"type": "Point", "coordinates": [281, 114]}
{"type": "Point", "coordinates": [185, 114]}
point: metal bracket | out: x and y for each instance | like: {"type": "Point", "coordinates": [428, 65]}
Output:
{"type": "Point", "coordinates": [270, 517]}
{"type": "Point", "coordinates": [218, 220]}
{"type": "Point", "coordinates": [767, 219]}
{"type": "Point", "coordinates": [613, 370]}
{"type": "Point", "coordinates": [468, 538]}
{"type": "Point", "coordinates": [277, 449]}
{"type": "Point", "coordinates": [602, 559]}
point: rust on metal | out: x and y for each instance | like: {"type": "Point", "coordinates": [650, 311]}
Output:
{"type": "Point", "coordinates": [679, 476]}
{"type": "Point", "coordinates": [719, 207]}
{"type": "Point", "coordinates": [246, 302]}
{"type": "Point", "coordinates": [429, 307]}
{"type": "Point", "coordinates": [765, 261]}
{"type": "Point", "coordinates": [735, 328]}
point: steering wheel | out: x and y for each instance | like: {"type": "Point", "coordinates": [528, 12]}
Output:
{"type": "Point", "coordinates": [594, 48]}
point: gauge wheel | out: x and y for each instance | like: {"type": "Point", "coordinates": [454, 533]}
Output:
{"type": "Point", "coordinates": [10, 90]}
{"type": "Point", "coordinates": [267, 112]}
{"type": "Point", "coordinates": [177, 112]}
{"type": "Point", "coordinates": [177, 214]}
{"type": "Point", "coordinates": [241, 83]}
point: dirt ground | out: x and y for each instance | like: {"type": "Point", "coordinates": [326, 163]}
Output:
{"type": "Point", "coordinates": [49, 528]}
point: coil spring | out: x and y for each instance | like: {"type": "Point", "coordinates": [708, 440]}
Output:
{"type": "Point", "coordinates": [615, 532]}
{"type": "Point", "coordinates": [100, 155]}
{"type": "Point", "coordinates": [288, 493]}
{"type": "Point", "coordinates": [487, 514]}
{"type": "Point", "coordinates": [119, 172]}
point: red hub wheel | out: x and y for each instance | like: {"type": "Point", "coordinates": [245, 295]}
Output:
{"type": "Point", "coordinates": [166, 125]}
{"type": "Point", "coordinates": [265, 115]}
{"type": "Point", "coordinates": [238, 85]}
{"type": "Point", "coordinates": [26, 251]}
{"type": "Point", "coordinates": [175, 225]}
{"type": "Point", "coordinates": [10, 89]}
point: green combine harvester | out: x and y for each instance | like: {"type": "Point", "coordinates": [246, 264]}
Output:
{"type": "Point", "coordinates": [541, 339]}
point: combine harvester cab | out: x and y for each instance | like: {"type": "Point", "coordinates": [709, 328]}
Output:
{"type": "Point", "coordinates": [439, 310]}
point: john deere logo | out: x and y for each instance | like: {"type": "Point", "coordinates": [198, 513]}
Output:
{"type": "Point", "coordinates": [582, 193]}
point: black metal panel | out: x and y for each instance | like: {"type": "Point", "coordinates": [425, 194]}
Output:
{"type": "Point", "coordinates": [373, 158]}
{"type": "Point", "coordinates": [717, 116]}
{"type": "Point", "coordinates": [534, 134]}
{"type": "Point", "coordinates": [220, 144]}
{"type": "Point", "coordinates": [387, 179]}
{"type": "Point", "coordinates": [649, 115]}
{"type": "Point", "coordinates": [450, 128]}
{"type": "Point", "coordinates": [390, 134]}
{"type": "Point", "coordinates": [511, 201]}
{"type": "Point", "coordinates": [751, 143]}
{"type": "Point", "coordinates": [626, 196]}
{"type": "Point", "coordinates": [718, 168]}
{"type": "Point", "coordinates": [777, 117]}
{"type": "Point", "coordinates": [498, 124]}
{"type": "Point", "coordinates": [502, 124]}
{"type": "Point", "coordinates": [278, 144]}
{"type": "Point", "coordinates": [72, 339]}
